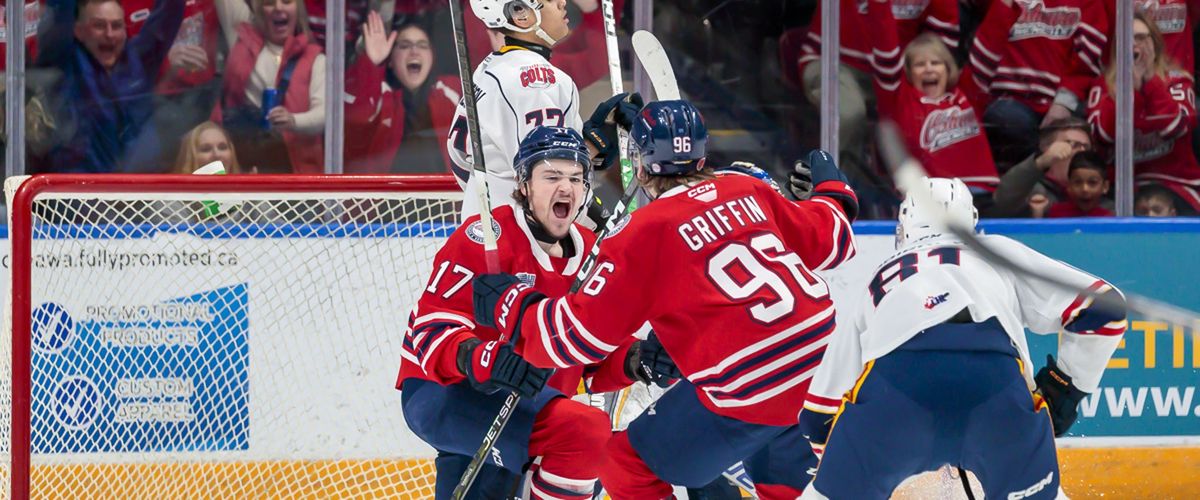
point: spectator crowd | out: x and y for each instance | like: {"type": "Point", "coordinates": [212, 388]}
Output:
{"type": "Point", "coordinates": [1015, 97]}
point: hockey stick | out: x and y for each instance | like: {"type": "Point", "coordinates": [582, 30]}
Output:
{"type": "Point", "coordinates": [618, 87]}
{"type": "Point", "coordinates": [907, 171]}
{"type": "Point", "coordinates": [658, 68]}
{"type": "Point", "coordinates": [490, 252]}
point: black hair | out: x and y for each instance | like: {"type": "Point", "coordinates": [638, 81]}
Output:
{"type": "Point", "coordinates": [1147, 191]}
{"type": "Point", "coordinates": [1088, 160]}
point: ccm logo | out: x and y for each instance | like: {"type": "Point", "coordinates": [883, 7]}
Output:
{"type": "Point", "coordinates": [1038, 486]}
{"type": "Point", "coordinates": [507, 303]}
{"type": "Point", "coordinates": [485, 359]}
{"type": "Point", "coordinates": [537, 76]}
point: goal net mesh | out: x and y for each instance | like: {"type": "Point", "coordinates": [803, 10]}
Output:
{"type": "Point", "coordinates": [224, 345]}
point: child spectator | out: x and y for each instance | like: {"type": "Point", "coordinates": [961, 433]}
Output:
{"type": "Point", "coordinates": [918, 90]}
{"type": "Point", "coordinates": [1036, 58]}
{"type": "Point", "coordinates": [273, 51]}
{"type": "Point", "coordinates": [398, 107]}
{"type": "Point", "coordinates": [204, 144]}
{"type": "Point", "coordinates": [1041, 176]}
{"type": "Point", "coordinates": [1154, 200]}
{"type": "Point", "coordinates": [1164, 115]}
{"type": "Point", "coordinates": [1086, 188]}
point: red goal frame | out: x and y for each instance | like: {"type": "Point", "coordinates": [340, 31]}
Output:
{"type": "Point", "coordinates": [20, 235]}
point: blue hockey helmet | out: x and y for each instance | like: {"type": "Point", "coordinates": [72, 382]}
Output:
{"type": "Point", "coordinates": [749, 169]}
{"type": "Point", "coordinates": [550, 143]}
{"type": "Point", "coordinates": [669, 138]}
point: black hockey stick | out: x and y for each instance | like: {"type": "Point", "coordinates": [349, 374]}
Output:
{"type": "Point", "coordinates": [491, 254]}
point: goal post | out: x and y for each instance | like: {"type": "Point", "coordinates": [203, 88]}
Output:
{"type": "Point", "coordinates": [215, 336]}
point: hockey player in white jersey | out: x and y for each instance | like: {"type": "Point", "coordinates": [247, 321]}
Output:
{"type": "Point", "coordinates": [518, 89]}
{"type": "Point", "coordinates": [933, 367]}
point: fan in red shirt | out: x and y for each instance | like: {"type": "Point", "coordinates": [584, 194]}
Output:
{"type": "Point", "coordinates": [1087, 184]}
{"type": "Point", "coordinates": [397, 113]}
{"type": "Point", "coordinates": [918, 90]}
{"type": "Point", "coordinates": [1164, 116]}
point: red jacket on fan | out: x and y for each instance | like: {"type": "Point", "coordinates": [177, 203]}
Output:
{"type": "Point", "coordinates": [444, 315]}
{"type": "Point", "coordinates": [856, 21]}
{"type": "Point", "coordinates": [728, 288]}
{"type": "Point", "coordinates": [200, 27]}
{"type": "Point", "coordinates": [1037, 49]}
{"type": "Point", "coordinates": [944, 132]}
{"type": "Point", "coordinates": [1164, 116]}
{"type": "Point", "coordinates": [356, 14]}
{"type": "Point", "coordinates": [375, 116]}
{"type": "Point", "coordinates": [33, 14]}
{"type": "Point", "coordinates": [307, 152]}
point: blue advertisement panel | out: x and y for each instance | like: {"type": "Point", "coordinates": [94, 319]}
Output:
{"type": "Point", "coordinates": [166, 376]}
{"type": "Point", "coordinates": [1151, 384]}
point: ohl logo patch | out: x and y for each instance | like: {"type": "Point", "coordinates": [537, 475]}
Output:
{"type": "Point", "coordinates": [936, 300]}
{"type": "Point", "coordinates": [475, 231]}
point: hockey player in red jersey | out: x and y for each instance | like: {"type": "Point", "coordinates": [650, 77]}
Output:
{"type": "Point", "coordinates": [917, 87]}
{"type": "Point", "coordinates": [454, 377]}
{"type": "Point", "coordinates": [722, 269]}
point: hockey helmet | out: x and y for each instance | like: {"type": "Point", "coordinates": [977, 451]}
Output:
{"type": "Point", "coordinates": [949, 200]}
{"type": "Point", "coordinates": [497, 14]}
{"type": "Point", "coordinates": [669, 138]}
{"type": "Point", "coordinates": [547, 143]}
{"type": "Point", "coordinates": [751, 170]}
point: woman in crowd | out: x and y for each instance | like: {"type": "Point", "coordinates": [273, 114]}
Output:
{"type": "Point", "coordinates": [1164, 116]}
{"type": "Point", "coordinates": [273, 58]}
{"type": "Point", "coordinates": [397, 114]}
{"type": "Point", "coordinates": [918, 89]}
{"type": "Point", "coordinates": [204, 144]}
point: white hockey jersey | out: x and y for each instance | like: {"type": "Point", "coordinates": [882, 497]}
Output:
{"type": "Point", "coordinates": [928, 282]}
{"type": "Point", "coordinates": [517, 89]}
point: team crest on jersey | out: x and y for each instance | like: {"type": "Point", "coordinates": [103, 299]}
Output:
{"type": "Point", "coordinates": [537, 76]}
{"type": "Point", "coordinates": [1171, 18]}
{"type": "Point", "coordinates": [936, 300]}
{"type": "Point", "coordinates": [529, 279]}
{"type": "Point", "coordinates": [1037, 20]}
{"type": "Point", "coordinates": [949, 126]}
{"type": "Point", "coordinates": [1150, 146]}
{"type": "Point", "coordinates": [907, 10]}
{"type": "Point", "coordinates": [620, 225]}
{"type": "Point", "coordinates": [475, 231]}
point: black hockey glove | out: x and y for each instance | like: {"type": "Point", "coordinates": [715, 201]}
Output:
{"type": "Point", "coordinates": [1062, 397]}
{"type": "Point", "coordinates": [815, 427]}
{"type": "Point", "coordinates": [648, 363]}
{"type": "Point", "coordinates": [494, 367]}
{"type": "Point", "coordinates": [816, 168]}
{"type": "Point", "coordinates": [500, 300]}
{"type": "Point", "coordinates": [601, 129]}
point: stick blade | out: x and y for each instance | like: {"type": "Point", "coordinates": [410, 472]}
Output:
{"type": "Point", "coordinates": [658, 67]}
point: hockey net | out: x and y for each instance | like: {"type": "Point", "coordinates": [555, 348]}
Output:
{"type": "Point", "coordinates": [215, 336]}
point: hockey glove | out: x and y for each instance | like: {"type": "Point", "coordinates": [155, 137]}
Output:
{"type": "Point", "coordinates": [500, 300]}
{"type": "Point", "coordinates": [1062, 397]}
{"type": "Point", "coordinates": [806, 179]}
{"type": "Point", "coordinates": [601, 128]}
{"type": "Point", "coordinates": [494, 367]}
{"type": "Point", "coordinates": [649, 363]}
{"type": "Point", "coordinates": [816, 426]}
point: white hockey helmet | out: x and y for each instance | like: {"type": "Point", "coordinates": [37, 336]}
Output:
{"type": "Point", "coordinates": [950, 201]}
{"type": "Point", "coordinates": [497, 14]}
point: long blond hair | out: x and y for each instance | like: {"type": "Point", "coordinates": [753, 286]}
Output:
{"type": "Point", "coordinates": [187, 163]}
{"type": "Point", "coordinates": [1163, 63]}
{"type": "Point", "coordinates": [930, 41]}
{"type": "Point", "coordinates": [260, 21]}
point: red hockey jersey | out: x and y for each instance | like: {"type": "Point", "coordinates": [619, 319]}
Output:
{"type": "Point", "coordinates": [1036, 48]}
{"type": "Point", "coordinates": [1176, 19]}
{"type": "Point", "coordinates": [723, 272]}
{"type": "Point", "coordinates": [200, 28]}
{"type": "Point", "coordinates": [856, 22]}
{"type": "Point", "coordinates": [944, 132]}
{"type": "Point", "coordinates": [443, 317]}
{"type": "Point", "coordinates": [1164, 116]}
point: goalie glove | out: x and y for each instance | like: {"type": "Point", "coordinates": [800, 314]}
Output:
{"type": "Point", "coordinates": [601, 128]}
{"type": "Point", "coordinates": [494, 367]}
{"type": "Point", "coordinates": [1062, 397]}
{"type": "Point", "coordinates": [500, 301]}
{"type": "Point", "coordinates": [649, 363]}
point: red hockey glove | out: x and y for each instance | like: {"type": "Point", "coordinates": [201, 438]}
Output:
{"type": "Point", "coordinates": [494, 367]}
